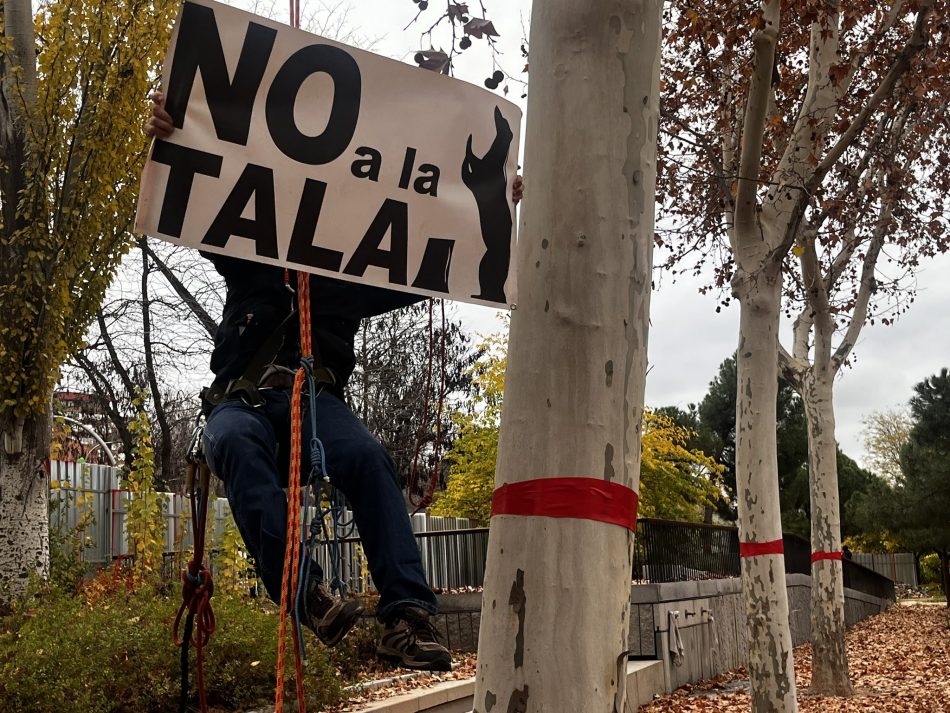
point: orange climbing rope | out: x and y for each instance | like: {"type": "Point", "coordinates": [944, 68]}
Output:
{"type": "Point", "coordinates": [291, 571]}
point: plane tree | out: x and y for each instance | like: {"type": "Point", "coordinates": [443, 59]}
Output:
{"type": "Point", "coordinates": [803, 169]}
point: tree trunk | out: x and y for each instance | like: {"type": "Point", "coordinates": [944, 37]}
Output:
{"type": "Point", "coordinates": [24, 509]}
{"type": "Point", "coordinates": [19, 95]}
{"type": "Point", "coordinates": [771, 671]}
{"type": "Point", "coordinates": [165, 444]}
{"type": "Point", "coordinates": [555, 607]}
{"type": "Point", "coordinates": [829, 653]}
{"type": "Point", "coordinates": [24, 451]}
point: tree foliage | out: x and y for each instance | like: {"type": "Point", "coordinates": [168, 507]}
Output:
{"type": "Point", "coordinates": [145, 510]}
{"type": "Point", "coordinates": [924, 493]}
{"type": "Point", "coordinates": [885, 435]}
{"type": "Point", "coordinates": [73, 81]}
{"type": "Point", "coordinates": [677, 480]}
{"type": "Point", "coordinates": [69, 180]}
{"type": "Point", "coordinates": [842, 164]}
{"type": "Point", "coordinates": [911, 513]}
{"type": "Point", "coordinates": [468, 492]}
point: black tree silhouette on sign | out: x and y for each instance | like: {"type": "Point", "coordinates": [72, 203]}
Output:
{"type": "Point", "coordinates": [485, 177]}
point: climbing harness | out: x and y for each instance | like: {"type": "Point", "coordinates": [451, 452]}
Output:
{"type": "Point", "coordinates": [197, 584]}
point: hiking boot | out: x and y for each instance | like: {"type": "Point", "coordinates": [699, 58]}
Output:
{"type": "Point", "coordinates": [410, 640]}
{"type": "Point", "coordinates": [329, 617]}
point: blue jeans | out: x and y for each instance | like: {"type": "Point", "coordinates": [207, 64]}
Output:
{"type": "Point", "coordinates": [248, 448]}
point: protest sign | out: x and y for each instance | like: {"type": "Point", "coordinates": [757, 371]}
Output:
{"type": "Point", "coordinates": [299, 151]}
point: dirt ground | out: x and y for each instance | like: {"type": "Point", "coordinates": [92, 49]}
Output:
{"type": "Point", "coordinates": [899, 663]}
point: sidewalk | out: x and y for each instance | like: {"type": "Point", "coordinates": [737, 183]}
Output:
{"type": "Point", "coordinates": [899, 663]}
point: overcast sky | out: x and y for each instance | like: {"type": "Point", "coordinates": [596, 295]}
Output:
{"type": "Point", "coordinates": [688, 339]}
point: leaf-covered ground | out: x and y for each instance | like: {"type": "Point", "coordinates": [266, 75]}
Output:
{"type": "Point", "coordinates": [464, 667]}
{"type": "Point", "coordinates": [899, 661]}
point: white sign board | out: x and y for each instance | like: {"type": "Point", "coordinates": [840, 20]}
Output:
{"type": "Point", "coordinates": [298, 151]}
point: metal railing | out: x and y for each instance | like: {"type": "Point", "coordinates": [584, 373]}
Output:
{"type": "Point", "coordinates": [670, 551]}
{"type": "Point", "coordinates": [452, 559]}
{"type": "Point", "coordinates": [453, 553]}
{"type": "Point", "coordinates": [856, 576]}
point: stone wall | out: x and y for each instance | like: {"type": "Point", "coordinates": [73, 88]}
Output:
{"type": "Point", "coordinates": [710, 617]}
{"type": "Point", "coordinates": [709, 614]}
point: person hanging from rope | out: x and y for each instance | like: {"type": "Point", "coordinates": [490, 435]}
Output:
{"type": "Point", "coordinates": [247, 443]}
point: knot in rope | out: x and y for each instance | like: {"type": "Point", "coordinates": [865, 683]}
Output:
{"type": "Point", "coordinates": [197, 586]}
{"type": "Point", "coordinates": [196, 591]}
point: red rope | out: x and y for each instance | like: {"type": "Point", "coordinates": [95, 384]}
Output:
{"type": "Point", "coordinates": [426, 500]}
{"type": "Point", "coordinates": [196, 600]}
{"type": "Point", "coordinates": [423, 426]}
{"type": "Point", "coordinates": [197, 586]}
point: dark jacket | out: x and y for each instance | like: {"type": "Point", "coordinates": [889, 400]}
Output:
{"type": "Point", "coordinates": [258, 300]}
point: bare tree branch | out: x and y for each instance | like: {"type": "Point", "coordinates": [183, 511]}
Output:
{"type": "Point", "coordinates": [200, 313]}
{"type": "Point", "coordinates": [748, 249]}
{"type": "Point", "coordinates": [916, 43]}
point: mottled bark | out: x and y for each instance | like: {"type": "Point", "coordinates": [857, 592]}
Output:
{"type": "Point", "coordinates": [771, 670]}
{"type": "Point", "coordinates": [555, 608]}
{"type": "Point", "coordinates": [24, 510]}
{"type": "Point", "coordinates": [24, 452]}
{"type": "Point", "coordinates": [829, 655]}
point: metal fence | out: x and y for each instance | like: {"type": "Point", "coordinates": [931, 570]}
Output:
{"type": "Point", "coordinates": [81, 493]}
{"type": "Point", "coordinates": [668, 551]}
{"type": "Point", "coordinates": [90, 496]}
{"type": "Point", "coordinates": [856, 576]}
{"type": "Point", "coordinates": [453, 553]}
{"type": "Point", "coordinates": [899, 566]}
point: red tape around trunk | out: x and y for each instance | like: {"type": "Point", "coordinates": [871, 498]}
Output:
{"type": "Point", "coordinates": [580, 498]}
{"type": "Point", "coordinates": [757, 549]}
{"type": "Point", "coordinates": [815, 556]}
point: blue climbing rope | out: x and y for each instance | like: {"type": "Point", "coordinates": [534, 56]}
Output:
{"type": "Point", "coordinates": [313, 526]}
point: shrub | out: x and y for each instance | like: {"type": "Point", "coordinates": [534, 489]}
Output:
{"type": "Point", "coordinates": [931, 577]}
{"type": "Point", "coordinates": [930, 569]}
{"type": "Point", "coordinates": [114, 654]}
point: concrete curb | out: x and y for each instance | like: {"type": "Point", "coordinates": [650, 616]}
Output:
{"type": "Point", "coordinates": [448, 697]}
{"type": "Point", "coordinates": [644, 679]}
